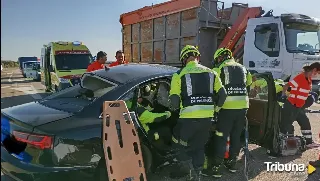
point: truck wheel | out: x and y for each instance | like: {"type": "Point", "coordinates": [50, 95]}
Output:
{"type": "Point", "coordinates": [101, 173]}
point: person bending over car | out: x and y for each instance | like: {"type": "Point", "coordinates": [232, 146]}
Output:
{"type": "Point", "coordinates": [99, 63]}
{"type": "Point", "coordinates": [146, 117]}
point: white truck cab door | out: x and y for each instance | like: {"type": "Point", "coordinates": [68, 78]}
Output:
{"type": "Point", "coordinates": [262, 46]}
{"type": "Point", "coordinates": [43, 52]}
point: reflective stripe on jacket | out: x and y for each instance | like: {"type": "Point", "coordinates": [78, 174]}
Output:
{"type": "Point", "coordinates": [300, 89]}
{"type": "Point", "coordinates": [235, 78]}
{"type": "Point", "coordinates": [196, 86]}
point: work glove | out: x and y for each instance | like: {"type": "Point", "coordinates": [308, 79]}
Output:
{"type": "Point", "coordinates": [283, 98]}
{"type": "Point", "coordinates": [168, 114]}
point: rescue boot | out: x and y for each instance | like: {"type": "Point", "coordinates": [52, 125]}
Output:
{"type": "Point", "coordinates": [194, 175]}
{"type": "Point", "coordinates": [182, 170]}
{"type": "Point", "coordinates": [206, 168]}
{"type": "Point", "coordinates": [230, 164]}
{"type": "Point", "coordinates": [214, 168]}
{"type": "Point", "coordinates": [207, 172]}
{"type": "Point", "coordinates": [216, 173]}
{"type": "Point", "coordinates": [212, 171]}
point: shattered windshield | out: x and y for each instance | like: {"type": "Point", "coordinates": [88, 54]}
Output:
{"type": "Point", "coordinates": [75, 98]}
{"type": "Point", "coordinates": [302, 38]}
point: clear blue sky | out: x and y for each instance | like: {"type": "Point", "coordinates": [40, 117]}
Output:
{"type": "Point", "coordinates": [28, 24]}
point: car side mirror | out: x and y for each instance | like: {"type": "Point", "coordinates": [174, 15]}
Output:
{"type": "Point", "coordinates": [272, 40]}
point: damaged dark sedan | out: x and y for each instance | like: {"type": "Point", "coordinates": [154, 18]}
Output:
{"type": "Point", "coordinates": [59, 137]}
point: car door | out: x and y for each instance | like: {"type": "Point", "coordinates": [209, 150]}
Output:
{"type": "Point", "coordinates": [160, 103]}
{"type": "Point", "coordinates": [264, 111]}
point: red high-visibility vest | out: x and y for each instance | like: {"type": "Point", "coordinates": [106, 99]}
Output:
{"type": "Point", "coordinates": [300, 89]}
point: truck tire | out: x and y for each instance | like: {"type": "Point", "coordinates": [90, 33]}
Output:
{"type": "Point", "coordinates": [101, 173]}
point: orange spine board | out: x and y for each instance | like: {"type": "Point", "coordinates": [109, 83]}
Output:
{"type": "Point", "coordinates": [158, 10]}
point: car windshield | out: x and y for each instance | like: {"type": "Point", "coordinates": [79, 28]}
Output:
{"type": "Point", "coordinates": [74, 99]}
{"type": "Point", "coordinates": [301, 37]}
{"type": "Point", "coordinates": [72, 61]}
{"type": "Point", "coordinates": [36, 66]}
{"type": "Point", "coordinates": [29, 64]}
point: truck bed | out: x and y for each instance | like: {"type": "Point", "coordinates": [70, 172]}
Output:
{"type": "Point", "coordinates": [156, 34]}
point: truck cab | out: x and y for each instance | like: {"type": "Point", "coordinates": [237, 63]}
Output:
{"type": "Point", "coordinates": [261, 41]}
{"type": "Point", "coordinates": [63, 63]}
{"type": "Point", "coordinates": [27, 70]}
{"type": "Point", "coordinates": [282, 45]}
{"type": "Point", "coordinates": [33, 71]}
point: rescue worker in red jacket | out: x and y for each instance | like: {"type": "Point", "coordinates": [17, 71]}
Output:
{"type": "Point", "coordinates": [99, 63]}
{"type": "Point", "coordinates": [294, 104]}
{"type": "Point", "coordinates": [303, 119]}
{"type": "Point", "coordinates": [120, 59]}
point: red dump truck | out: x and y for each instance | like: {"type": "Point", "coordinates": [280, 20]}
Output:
{"type": "Point", "coordinates": [278, 44]}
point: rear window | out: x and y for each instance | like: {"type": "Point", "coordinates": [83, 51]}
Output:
{"type": "Point", "coordinates": [74, 99]}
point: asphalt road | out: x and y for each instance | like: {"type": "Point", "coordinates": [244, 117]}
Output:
{"type": "Point", "coordinates": [17, 90]}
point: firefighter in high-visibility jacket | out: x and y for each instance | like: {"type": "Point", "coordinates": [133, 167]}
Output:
{"type": "Point", "coordinates": [196, 91]}
{"type": "Point", "coordinates": [146, 117]}
{"type": "Point", "coordinates": [232, 116]}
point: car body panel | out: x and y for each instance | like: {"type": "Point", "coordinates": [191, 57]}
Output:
{"type": "Point", "coordinates": [133, 71]}
{"type": "Point", "coordinates": [34, 113]}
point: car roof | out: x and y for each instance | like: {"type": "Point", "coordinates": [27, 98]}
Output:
{"type": "Point", "coordinates": [133, 71]}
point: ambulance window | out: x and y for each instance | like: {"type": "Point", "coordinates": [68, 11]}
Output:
{"type": "Point", "coordinates": [267, 39]}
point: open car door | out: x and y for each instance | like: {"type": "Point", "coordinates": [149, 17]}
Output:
{"type": "Point", "coordinates": [264, 111]}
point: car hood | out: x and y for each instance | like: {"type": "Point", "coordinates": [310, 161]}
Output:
{"type": "Point", "coordinates": [34, 114]}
